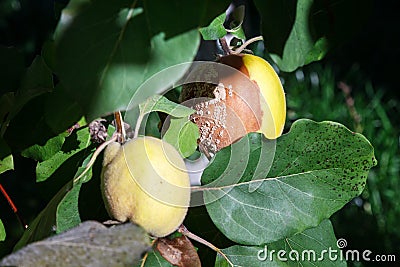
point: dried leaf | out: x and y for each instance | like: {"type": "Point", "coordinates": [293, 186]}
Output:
{"type": "Point", "coordinates": [178, 251]}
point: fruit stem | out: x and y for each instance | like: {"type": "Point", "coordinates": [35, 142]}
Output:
{"type": "Point", "coordinates": [225, 46]}
{"type": "Point", "coordinates": [138, 123]}
{"type": "Point", "coordinates": [119, 124]}
{"type": "Point", "coordinates": [184, 231]}
{"type": "Point", "coordinates": [94, 156]}
{"type": "Point", "coordinates": [245, 44]}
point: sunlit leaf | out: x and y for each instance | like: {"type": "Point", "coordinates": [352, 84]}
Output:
{"type": "Point", "coordinates": [162, 104]}
{"type": "Point", "coordinates": [6, 158]}
{"type": "Point", "coordinates": [248, 159]}
{"type": "Point", "coordinates": [317, 169]}
{"type": "Point", "coordinates": [183, 135]}
{"type": "Point", "coordinates": [56, 151]}
{"type": "Point", "coordinates": [2, 231]}
{"type": "Point", "coordinates": [216, 28]}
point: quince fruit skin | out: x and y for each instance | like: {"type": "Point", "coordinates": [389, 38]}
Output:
{"type": "Point", "coordinates": [146, 182]}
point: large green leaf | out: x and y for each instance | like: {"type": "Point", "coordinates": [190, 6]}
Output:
{"type": "Point", "coordinates": [109, 49]}
{"type": "Point", "coordinates": [317, 169]}
{"type": "Point", "coordinates": [309, 248]}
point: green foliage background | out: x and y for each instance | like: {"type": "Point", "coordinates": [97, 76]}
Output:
{"type": "Point", "coordinates": [365, 60]}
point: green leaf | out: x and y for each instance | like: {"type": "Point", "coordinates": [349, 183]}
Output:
{"type": "Point", "coordinates": [155, 103]}
{"type": "Point", "coordinates": [6, 158]}
{"type": "Point", "coordinates": [89, 244]}
{"type": "Point", "coordinates": [215, 30]}
{"type": "Point", "coordinates": [317, 169]}
{"type": "Point", "coordinates": [152, 125]}
{"type": "Point", "coordinates": [162, 104]}
{"type": "Point", "coordinates": [67, 215]}
{"type": "Point", "coordinates": [56, 151]}
{"type": "Point", "coordinates": [239, 33]}
{"type": "Point", "coordinates": [2, 231]}
{"type": "Point", "coordinates": [154, 259]}
{"type": "Point", "coordinates": [301, 47]}
{"type": "Point", "coordinates": [248, 159]}
{"type": "Point", "coordinates": [101, 60]}
{"type": "Point", "coordinates": [309, 248]}
{"type": "Point", "coordinates": [183, 135]}
{"type": "Point", "coordinates": [43, 153]}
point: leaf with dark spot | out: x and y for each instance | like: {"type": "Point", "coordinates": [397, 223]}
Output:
{"type": "Point", "coordinates": [296, 194]}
